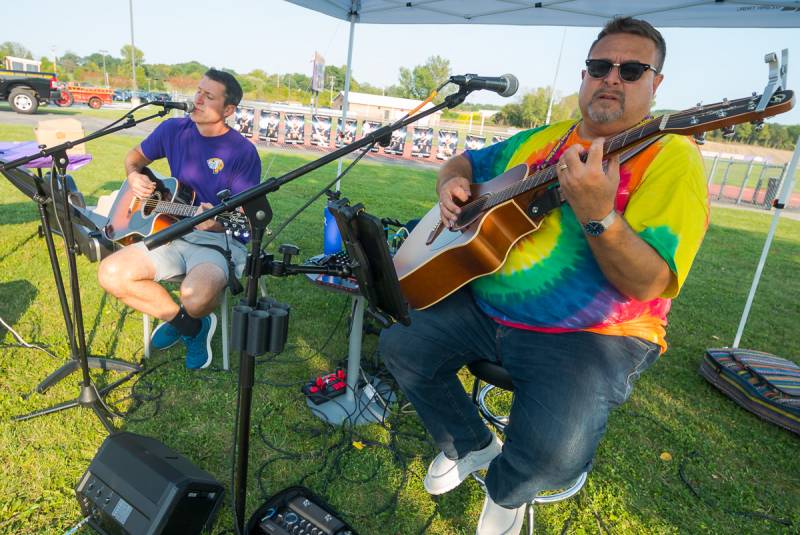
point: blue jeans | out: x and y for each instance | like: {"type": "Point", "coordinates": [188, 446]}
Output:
{"type": "Point", "coordinates": [565, 385]}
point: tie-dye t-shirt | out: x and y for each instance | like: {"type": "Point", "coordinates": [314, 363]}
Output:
{"type": "Point", "coordinates": [551, 282]}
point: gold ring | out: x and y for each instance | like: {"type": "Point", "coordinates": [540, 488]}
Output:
{"type": "Point", "coordinates": [563, 167]}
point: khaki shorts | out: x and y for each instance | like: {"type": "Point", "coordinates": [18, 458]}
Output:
{"type": "Point", "coordinates": [180, 256]}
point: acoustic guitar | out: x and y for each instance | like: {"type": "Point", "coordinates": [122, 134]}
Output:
{"type": "Point", "coordinates": [435, 261]}
{"type": "Point", "coordinates": [132, 218]}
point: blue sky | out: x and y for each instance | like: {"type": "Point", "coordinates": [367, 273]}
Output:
{"type": "Point", "coordinates": [702, 64]}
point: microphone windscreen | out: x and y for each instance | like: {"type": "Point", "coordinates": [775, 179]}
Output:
{"type": "Point", "coordinates": [190, 106]}
{"type": "Point", "coordinates": [513, 85]}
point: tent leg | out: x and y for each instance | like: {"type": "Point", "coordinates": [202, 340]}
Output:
{"type": "Point", "coordinates": [783, 198]}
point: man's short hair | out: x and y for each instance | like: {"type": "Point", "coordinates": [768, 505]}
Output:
{"type": "Point", "coordinates": [233, 91]}
{"type": "Point", "coordinates": [635, 27]}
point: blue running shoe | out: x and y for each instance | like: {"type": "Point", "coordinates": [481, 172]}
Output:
{"type": "Point", "coordinates": [198, 347]}
{"type": "Point", "coordinates": [164, 336]}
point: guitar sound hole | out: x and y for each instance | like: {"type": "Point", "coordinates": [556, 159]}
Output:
{"type": "Point", "coordinates": [149, 204]}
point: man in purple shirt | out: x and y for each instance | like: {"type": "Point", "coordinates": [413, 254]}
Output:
{"type": "Point", "coordinates": [206, 155]}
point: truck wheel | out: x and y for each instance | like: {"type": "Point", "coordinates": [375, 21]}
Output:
{"type": "Point", "coordinates": [66, 99]}
{"type": "Point", "coordinates": [23, 100]}
{"type": "Point", "coordinates": [95, 103]}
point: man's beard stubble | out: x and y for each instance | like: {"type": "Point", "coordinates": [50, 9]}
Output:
{"type": "Point", "coordinates": [606, 115]}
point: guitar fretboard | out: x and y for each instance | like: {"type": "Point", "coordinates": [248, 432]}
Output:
{"type": "Point", "coordinates": [473, 209]}
{"type": "Point", "coordinates": [176, 209]}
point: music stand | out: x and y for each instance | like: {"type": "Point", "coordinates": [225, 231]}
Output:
{"type": "Point", "coordinates": [375, 287]}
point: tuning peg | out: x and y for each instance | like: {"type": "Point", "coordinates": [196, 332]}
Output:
{"type": "Point", "coordinates": [700, 138]}
{"type": "Point", "coordinates": [728, 131]}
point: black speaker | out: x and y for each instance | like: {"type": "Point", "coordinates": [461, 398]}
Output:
{"type": "Point", "coordinates": [137, 485]}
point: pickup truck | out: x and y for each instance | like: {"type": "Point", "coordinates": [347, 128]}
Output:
{"type": "Point", "coordinates": [26, 91]}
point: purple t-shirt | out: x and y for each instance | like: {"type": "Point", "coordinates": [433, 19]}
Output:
{"type": "Point", "coordinates": [205, 164]}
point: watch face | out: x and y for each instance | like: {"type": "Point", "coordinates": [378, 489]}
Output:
{"type": "Point", "coordinates": [594, 228]}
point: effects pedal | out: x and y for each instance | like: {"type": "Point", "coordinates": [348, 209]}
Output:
{"type": "Point", "coordinates": [326, 387]}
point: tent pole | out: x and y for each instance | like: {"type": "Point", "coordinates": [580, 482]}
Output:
{"type": "Point", "coordinates": [555, 78]}
{"type": "Point", "coordinates": [783, 198]}
{"type": "Point", "coordinates": [346, 98]}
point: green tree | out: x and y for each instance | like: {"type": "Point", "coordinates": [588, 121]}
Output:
{"type": "Point", "coordinates": [420, 81]}
{"type": "Point", "coordinates": [566, 108]}
{"type": "Point", "coordinates": [10, 48]}
{"type": "Point", "coordinates": [125, 52]}
{"type": "Point", "coordinates": [530, 111]}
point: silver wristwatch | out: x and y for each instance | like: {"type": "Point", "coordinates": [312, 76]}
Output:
{"type": "Point", "coordinates": [595, 228]}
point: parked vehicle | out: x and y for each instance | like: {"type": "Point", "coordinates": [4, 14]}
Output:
{"type": "Point", "coordinates": [26, 90]}
{"type": "Point", "coordinates": [94, 97]}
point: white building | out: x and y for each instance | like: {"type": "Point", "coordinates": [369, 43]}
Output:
{"type": "Point", "coordinates": [383, 109]}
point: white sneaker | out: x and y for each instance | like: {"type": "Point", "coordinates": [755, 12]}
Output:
{"type": "Point", "coordinates": [446, 474]}
{"type": "Point", "coordinates": [497, 520]}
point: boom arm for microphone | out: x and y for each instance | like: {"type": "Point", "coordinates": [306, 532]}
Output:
{"type": "Point", "coordinates": [505, 85]}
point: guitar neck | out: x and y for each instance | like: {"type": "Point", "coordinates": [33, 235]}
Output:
{"type": "Point", "coordinates": [547, 175]}
{"type": "Point", "coordinates": [176, 209]}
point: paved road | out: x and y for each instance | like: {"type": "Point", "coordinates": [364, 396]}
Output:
{"type": "Point", "coordinates": [90, 123]}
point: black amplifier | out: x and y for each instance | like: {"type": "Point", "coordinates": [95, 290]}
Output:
{"type": "Point", "coordinates": [137, 485]}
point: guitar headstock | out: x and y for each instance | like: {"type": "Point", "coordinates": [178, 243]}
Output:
{"type": "Point", "coordinates": [236, 223]}
{"type": "Point", "coordinates": [724, 114]}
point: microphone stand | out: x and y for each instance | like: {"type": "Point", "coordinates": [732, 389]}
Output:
{"type": "Point", "coordinates": [257, 209]}
{"type": "Point", "coordinates": [89, 396]}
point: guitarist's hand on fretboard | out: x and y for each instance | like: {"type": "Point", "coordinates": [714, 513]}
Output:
{"type": "Point", "coordinates": [589, 189]}
{"type": "Point", "coordinates": [210, 225]}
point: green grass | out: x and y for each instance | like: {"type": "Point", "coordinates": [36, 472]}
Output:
{"type": "Point", "coordinates": [737, 462]}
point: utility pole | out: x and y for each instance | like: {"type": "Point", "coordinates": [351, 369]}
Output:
{"type": "Point", "coordinates": [135, 93]}
{"type": "Point", "coordinates": [105, 73]}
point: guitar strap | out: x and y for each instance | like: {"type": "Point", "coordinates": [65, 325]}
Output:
{"type": "Point", "coordinates": [552, 197]}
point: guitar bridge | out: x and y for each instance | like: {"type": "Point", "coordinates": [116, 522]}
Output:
{"type": "Point", "coordinates": [435, 232]}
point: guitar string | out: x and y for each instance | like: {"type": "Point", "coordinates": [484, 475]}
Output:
{"type": "Point", "coordinates": [173, 208]}
{"type": "Point", "coordinates": [473, 208]}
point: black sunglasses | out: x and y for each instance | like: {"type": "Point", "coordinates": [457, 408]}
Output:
{"type": "Point", "coordinates": [630, 71]}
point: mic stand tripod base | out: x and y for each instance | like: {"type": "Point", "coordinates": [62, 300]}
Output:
{"type": "Point", "coordinates": [95, 363]}
{"type": "Point", "coordinates": [89, 397]}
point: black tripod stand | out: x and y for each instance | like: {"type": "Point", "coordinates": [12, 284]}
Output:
{"type": "Point", "coordinates": [53, 200]}
{"type": "Point", "coordinates": [258, 211]}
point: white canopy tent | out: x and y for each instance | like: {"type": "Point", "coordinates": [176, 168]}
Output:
{"type": "Point", "coordinates": [583, 13]}
{"type": "Point", "coordinates": [660, 13]}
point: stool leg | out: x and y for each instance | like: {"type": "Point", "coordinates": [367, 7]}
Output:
{"type": "Point", "coordinates": [476, 387]}
{"type": "Point", "coordinates": [224, 315]}
{"type": "Point", "coordinates": [146, 328]}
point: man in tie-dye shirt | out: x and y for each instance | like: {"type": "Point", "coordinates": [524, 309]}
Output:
{"type": "Point", "coordinates": [578, 309]}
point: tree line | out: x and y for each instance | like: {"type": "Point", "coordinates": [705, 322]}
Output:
{"type": "Point", "coordinates": [417, 82]}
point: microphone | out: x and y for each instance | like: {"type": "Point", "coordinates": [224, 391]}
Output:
{"type": "Point", "coordinates": [505, 85]}
{"type": "Point", "coordinates": [188, 107]}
